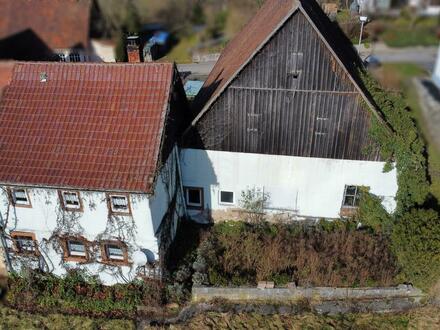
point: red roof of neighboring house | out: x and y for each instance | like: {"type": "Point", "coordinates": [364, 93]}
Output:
{"type": "Point", "coordinates": [5, 74]}
{"type": "Point", "coordinates": [90, 126]}
{"type": "Point", "coordinates": [59, 23]}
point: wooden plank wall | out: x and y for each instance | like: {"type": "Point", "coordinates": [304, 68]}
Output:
{"type": "Point", "coordinates": [294, 99]}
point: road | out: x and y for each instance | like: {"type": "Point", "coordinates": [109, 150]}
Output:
{"type": "Point", "coordinates": [423, 56]}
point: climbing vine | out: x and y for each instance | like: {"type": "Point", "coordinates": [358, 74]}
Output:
{"type": "Point", "coordinates": [400, 144]}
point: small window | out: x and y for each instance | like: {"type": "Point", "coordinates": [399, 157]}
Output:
{"type": "Point", "coordinates": [352, 196]}
{"type": "Point", "coordinates": [114, 251]}
{"type": "Point", "coordinates": [20, 197]}
{"type": "Point", "coordinates": [24, 242]}
{"type": "Point", "coordinates": [76, 248]}
{"type": "Point", "coordinates": [70, 200]}
{"type": "Point", "coordinates": [119, 204]}
{"type": "Point", "coordinates": [194, 197]}
{"type": "Point", "coordinates": [62, 57]}
{"type": "Point", "coordinates": [226, 197]}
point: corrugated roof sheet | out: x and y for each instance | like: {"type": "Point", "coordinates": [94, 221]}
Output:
{"type": "Point", "coordinates": [90, 126]}
{"type": "Point", "coordinates": [59, 23]}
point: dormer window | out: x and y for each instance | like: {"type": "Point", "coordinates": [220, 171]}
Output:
{"type": "Point", "coordinates": [70, 200]}
{"type": "Point", "coordinates": [20, 197]}
{"type": "Point", "coordinates": [119, 204]}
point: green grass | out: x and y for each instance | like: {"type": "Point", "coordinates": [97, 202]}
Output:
{"type": "Point", "coordinates": [181, 53]}
{"type": "Point", "coordinates": [408, 32]}
{"type": "Point", "coordinates": [12, 319]}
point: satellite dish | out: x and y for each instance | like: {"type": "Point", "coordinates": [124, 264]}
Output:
{"type": "Point", "coordinates": [139, 258]}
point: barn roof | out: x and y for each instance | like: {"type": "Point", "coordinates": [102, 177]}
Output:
{"type": "Point", "coordinates": [259, 30]}
{"type": "Point", "coordinates": [88, 126]}
{"type": "Point", "coordinates": [58, 23]}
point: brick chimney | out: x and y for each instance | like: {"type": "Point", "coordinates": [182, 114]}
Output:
{"type": "Point", "coordinates": [133, 53]}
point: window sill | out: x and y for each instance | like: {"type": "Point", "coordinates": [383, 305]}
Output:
{"type": "Point", "coordinates": [76, 259]}
{"type": "Point", "coordinates": [116, 263]}
{"type": "Point", "coordinates": [23, 206]}
{"type": "Point", "coordinates": [348, 211]}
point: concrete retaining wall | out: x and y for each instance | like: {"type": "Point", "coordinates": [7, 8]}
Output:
{"type": "Point", "coordinates": [293, 294]}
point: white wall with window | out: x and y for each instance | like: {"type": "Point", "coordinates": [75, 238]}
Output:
{"type": "Point", "coordinates": [307, 187]}
{"type": "Point", "coordinates": [34, 213]}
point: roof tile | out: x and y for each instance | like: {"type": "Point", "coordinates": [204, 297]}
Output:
{"type": "Point", "coordinates": [70, 131]}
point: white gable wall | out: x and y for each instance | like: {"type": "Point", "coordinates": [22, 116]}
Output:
{"type": "Point", "coordinates": [309, 187]}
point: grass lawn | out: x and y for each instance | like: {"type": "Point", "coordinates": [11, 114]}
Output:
{"type": "Point", "coordinates": [397, 76]}
{"type": "Point", "coordinates": [12, 319]}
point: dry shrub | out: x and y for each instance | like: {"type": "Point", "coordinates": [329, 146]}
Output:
{"type": "Point", "coordinates": [309, 256]}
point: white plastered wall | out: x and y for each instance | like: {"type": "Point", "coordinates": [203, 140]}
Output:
{"type": "Point", "coordinates": [308, 187]}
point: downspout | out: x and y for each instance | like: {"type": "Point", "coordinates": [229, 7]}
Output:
{"type": "Point", "coordinates": [180, 179]}
{"type": "Point", "coordinates": [4, 245]}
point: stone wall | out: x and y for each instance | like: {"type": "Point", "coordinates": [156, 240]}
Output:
{"type": "Point", "coordinates": [298, 293]}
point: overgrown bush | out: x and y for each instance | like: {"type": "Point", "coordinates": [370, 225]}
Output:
{"type": "Point", "coordinates": [416, 244]}
{"type": "Point", "coordinates": [401, 143]}
{"type": "Point", "coordinates": [78, 293]}
{"type": "Point", "coordinates": [243, 254]}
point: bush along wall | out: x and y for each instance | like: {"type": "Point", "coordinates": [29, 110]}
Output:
{"type": "Point", "coordinates": [78, 293]}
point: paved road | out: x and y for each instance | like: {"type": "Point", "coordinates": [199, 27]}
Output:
{"type": "Point", "coordinates": [423, 56]}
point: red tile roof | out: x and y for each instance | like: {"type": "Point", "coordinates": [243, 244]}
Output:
{"type": "Point", "coordinates": [59, 23]}
{"type": "Point", "coordinates": [90, 126]}
{"type": "Point", "coordinates": [5, 73]}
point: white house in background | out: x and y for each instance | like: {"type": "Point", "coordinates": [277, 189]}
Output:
{"type": "Point", "coordinates": [284, 111]}
{"type": "Point", "coordinates": [436, 74]}
{"type": "Point", "coordinates": [89, 170]}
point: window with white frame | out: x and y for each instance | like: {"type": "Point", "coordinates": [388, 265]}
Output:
{"type": "Point", "coordinates": [352, 195]}
{"type": "Point", "coordinates": [71, 200]}
{"type": "Point", "coordinates": [20, 197]}
{"type": "Point", "coordinates": [119, 204]}
{"type": "Point", "coordinates": [76, 248]}
{"type": "Point", "coordinates": [114, 252]}
{"type": "Point", "coordinates": [194, 197]}
{"type": "Point", "coordinates": [226, 197]}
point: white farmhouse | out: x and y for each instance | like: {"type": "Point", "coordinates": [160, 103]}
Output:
{"type": "Point", "coordinates": [284, 112]}
{"type": "Point", "coordinates": [89, 170]}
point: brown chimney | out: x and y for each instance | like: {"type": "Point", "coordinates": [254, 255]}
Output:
{"type": "Point", "coordinates": [133, 54]}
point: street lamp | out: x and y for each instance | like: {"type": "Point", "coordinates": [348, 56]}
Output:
{"type": "Point", "coordinates": [363, 20]}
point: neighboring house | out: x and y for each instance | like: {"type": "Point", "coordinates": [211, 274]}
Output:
{"type": "Point", "coordinates": [426, 7]}
{"type": "Point", "coordinates": [374, 6]}
{"type": "Point", "coordinates": [436, 74]}
{"type": "Point", "coordinates": [89, 170]}
{"type": "Point", "coordinates": [35, 30]}
{"type": "Point", "coordinates": [284, 111]}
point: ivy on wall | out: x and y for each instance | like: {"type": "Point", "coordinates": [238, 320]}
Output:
{"type": "Point", "coordinates": [401, 144]}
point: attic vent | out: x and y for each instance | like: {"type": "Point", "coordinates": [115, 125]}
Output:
{"type": "Point", "coordinates": [43, 77]}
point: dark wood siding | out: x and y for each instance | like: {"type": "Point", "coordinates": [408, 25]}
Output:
{"type": "Point", "coordinates": [293, 98]}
